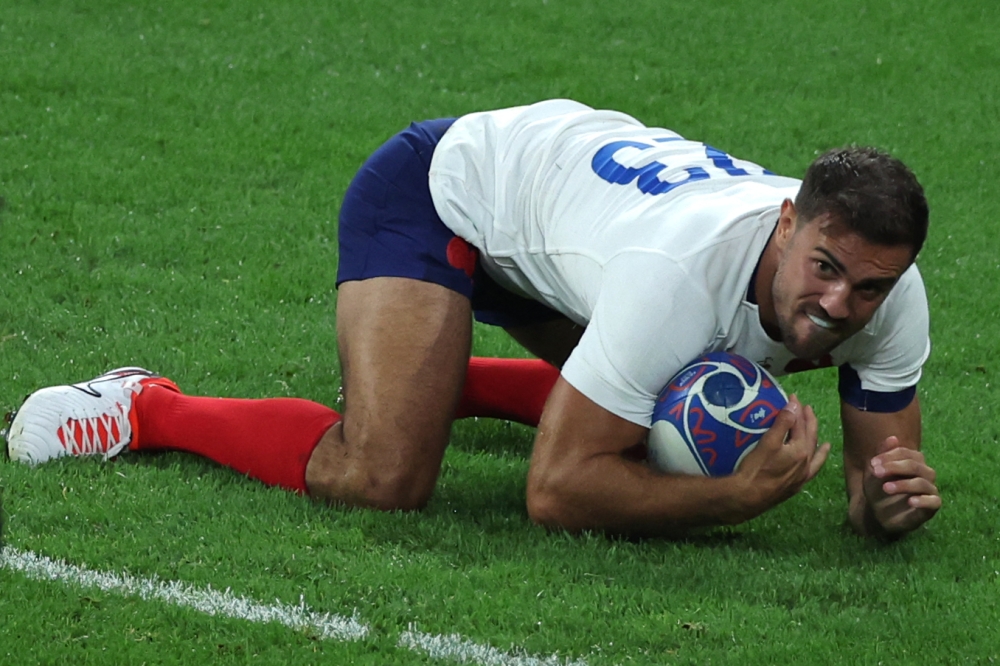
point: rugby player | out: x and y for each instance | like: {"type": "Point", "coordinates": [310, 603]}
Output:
{"type": "Point", "coordinates": [613, 252]}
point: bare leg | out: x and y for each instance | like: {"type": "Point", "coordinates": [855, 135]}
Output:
{"type": "Point", "coordinates": [404, 346]}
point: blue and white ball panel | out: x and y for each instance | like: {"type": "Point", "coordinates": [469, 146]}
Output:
{"type": "Point", "coordinates": [712, 414]}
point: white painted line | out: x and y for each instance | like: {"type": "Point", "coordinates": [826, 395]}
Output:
{"type": "Point", "coordinates": [452, 647]}
{"type": "Point", "coordinates": [212, 602]}
{"type": "Point", "coordinates": [456, 648]}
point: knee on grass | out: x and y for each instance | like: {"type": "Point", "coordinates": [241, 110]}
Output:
{"type": "Point", "coordinates": [384, 490]}
{"type": "Point", "coordinates": [358, 471]}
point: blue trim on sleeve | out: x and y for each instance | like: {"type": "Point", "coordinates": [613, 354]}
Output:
{"type": "Point", "coordinates": [871, 401]}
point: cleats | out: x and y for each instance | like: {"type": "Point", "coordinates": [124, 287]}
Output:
{"type": "Point", "coordinates": [93, 418]}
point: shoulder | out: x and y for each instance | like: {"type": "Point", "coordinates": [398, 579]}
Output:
{"type": "Point", "coordinates": [906, 303]}
{"type": "Point", "coordinates": [903, 316]}
{"type": "Point", "coordinates": [889, 353]}
{"type": "Point", "coordinates": [911, 284]}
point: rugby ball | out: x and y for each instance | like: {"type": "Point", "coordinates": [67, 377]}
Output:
{"type": "Point", "coordinates": [712, 414]}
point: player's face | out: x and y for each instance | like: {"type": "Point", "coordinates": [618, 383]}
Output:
{"type": "Point", "coordinates": [829, 282]}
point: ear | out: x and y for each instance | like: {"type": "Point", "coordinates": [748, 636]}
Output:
{"type": "Point", "coordinates": [787, 221]}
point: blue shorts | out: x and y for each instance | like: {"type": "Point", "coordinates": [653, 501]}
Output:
{"type": "Point", "coordinates": [389, 228]}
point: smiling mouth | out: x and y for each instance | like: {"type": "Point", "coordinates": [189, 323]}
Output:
{"type": "Point", "coordinates": [822, 323]}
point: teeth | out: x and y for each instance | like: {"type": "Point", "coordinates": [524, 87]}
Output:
{"type": "Point", "coordinates": [822, 323]}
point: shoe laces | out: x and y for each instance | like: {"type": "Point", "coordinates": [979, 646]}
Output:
{"type": "Point", "coordinates": [95, 434]}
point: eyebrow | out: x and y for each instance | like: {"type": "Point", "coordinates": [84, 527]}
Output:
{"type": "Point", "coordinates": [885, 283]}
{"type": "Point", "coordinates": [832, 259]}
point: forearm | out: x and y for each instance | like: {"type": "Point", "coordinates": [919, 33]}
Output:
{"type": "Point", "coordinates": [861, 517]}
{"type": "Point", "coordinates": [581, 477]}
{"type": "Point", "coordinates": [610, 493]}
{"type": "Point", "coordinates": [890, 488]}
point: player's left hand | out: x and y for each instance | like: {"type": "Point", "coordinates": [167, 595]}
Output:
{"type": "Point", "coordinates": [899, 488]}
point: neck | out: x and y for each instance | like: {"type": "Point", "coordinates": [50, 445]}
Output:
{"type": "Point", "coordinates": [767, 268]}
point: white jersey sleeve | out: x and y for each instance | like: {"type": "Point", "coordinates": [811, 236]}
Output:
{"type": "Point", "coordinates": [642, 330]}
{"type": "Point", "coordinates": [889, 353]}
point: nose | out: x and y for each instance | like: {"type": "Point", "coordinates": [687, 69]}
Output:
{"type": "Point", "coordinates": [834, 300]}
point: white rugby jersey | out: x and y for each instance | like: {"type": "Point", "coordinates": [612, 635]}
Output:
{"type": "Point", "coordinates": [648, 239]}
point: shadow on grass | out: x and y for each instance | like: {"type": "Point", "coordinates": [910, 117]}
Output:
{"type": "Point", "coordinates": [477, 516]}
{"type": "Point", "coordinates": [797, 557]}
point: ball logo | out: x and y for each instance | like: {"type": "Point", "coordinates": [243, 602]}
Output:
{"type": "Point", "coordinates": [711, 414]}
{"type": "Point", "coordinates": [686, 378]}
{"type": "Point", "coordinates": [760, 414]}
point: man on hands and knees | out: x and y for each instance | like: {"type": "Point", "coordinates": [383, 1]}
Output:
{"type": "Point", "coordinates": [615, 253]}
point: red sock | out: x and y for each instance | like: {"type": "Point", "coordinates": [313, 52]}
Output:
{"type": "Point", "coordinates": [513, 389]}
{"type": "Point", "coordinates": [270, 440]}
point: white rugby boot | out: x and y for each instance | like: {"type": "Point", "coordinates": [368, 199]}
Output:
{"type": "Point", "coordinates": [93, 418]}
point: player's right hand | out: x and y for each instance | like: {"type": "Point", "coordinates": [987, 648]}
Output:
{"type": "Point", "coordinates": [786, 458]}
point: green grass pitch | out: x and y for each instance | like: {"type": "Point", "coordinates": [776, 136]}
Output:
{"type": "Point", "coordinates": [170, 175]}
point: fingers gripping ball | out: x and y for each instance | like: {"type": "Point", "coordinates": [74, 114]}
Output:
{"type": "Point", "coordinates": [712, 414]}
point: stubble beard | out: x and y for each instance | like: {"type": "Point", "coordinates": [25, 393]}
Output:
{"type": "Point", "coordinates": [803, 345]}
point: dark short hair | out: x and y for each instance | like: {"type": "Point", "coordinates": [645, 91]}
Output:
{"type": "Point", "coordinates": [872, 193]}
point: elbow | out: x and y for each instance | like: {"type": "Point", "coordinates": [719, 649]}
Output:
{"type": "Point", "coordinates": [553, 504]}
{"type": "Point", "coordinates": [545, 510]}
